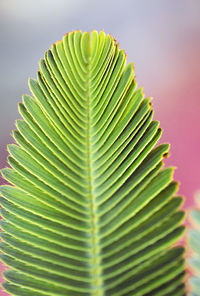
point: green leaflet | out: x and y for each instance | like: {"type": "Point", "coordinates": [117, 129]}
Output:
{"type": "Point", "coordinates": [194, 244]}
{"type": "Point", "coordinates": [91, 210]}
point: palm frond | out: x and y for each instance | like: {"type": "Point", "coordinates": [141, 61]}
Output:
{"type": "Point", "coordinates": [91, 210]}
{"type": "Point", "coordinates": [194, 244]}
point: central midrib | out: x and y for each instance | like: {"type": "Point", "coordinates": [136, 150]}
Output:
{"type": "Point", "coordinates": [96, 271]}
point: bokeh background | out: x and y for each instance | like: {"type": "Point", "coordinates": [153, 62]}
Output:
{"type": "Point", "coordinates": [162, 37]}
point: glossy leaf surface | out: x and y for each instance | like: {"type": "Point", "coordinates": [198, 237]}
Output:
{"type": "Point", "coordinates": [91, 210]}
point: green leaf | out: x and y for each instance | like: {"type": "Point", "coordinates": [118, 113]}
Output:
{"type": "Point", "coordinates": [91, 210]}
{"type": "Point", "coordinates": [194, 244]}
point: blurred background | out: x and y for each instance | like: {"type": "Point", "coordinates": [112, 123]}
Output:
{"type": "Point", "coordinates": [161, 37]}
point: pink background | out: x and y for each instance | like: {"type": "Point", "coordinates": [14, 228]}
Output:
{"type": "Point", "coordinates": [161, 37]}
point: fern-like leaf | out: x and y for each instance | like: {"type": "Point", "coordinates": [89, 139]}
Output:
{"type": "Point", "coordinates": [194, 244]}
{"type": "Point", "coordinates": [91, 210]}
